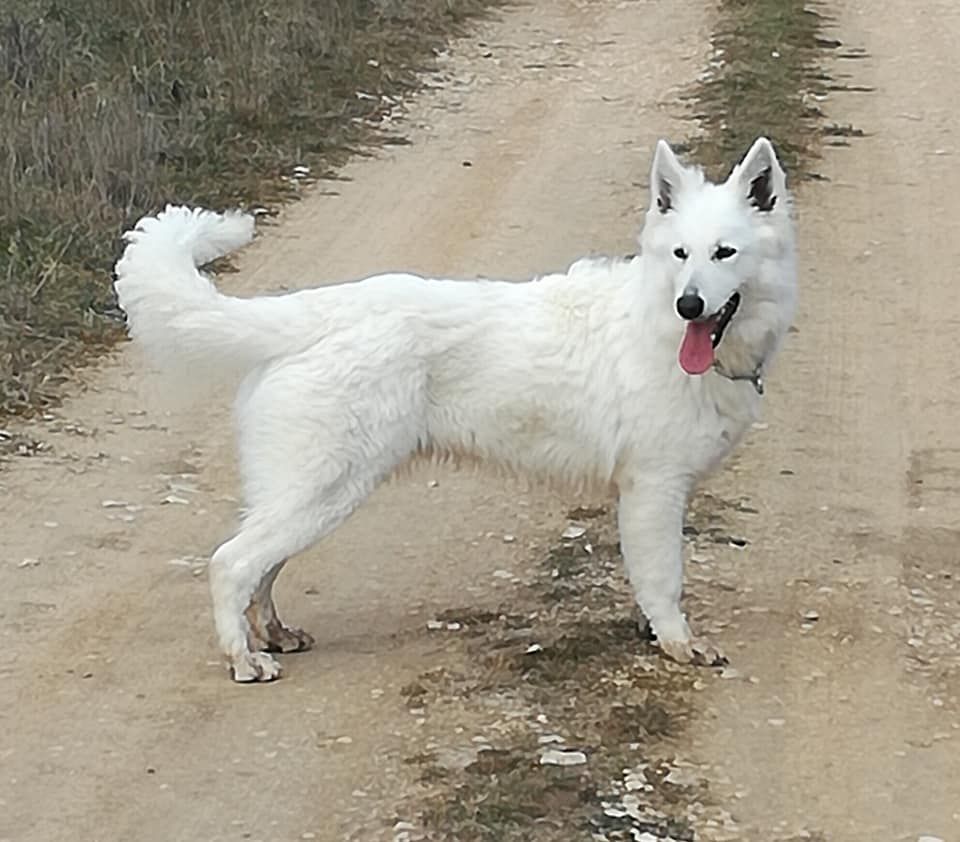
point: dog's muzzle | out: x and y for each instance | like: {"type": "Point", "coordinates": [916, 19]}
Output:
{"type": "Point", "coordinates": [690, 306]}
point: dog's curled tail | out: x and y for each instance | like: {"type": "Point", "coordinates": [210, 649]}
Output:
{"type": "Point", "coordinates": [176, 313]}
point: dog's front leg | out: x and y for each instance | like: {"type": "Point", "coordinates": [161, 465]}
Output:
{"type": "Point", "coordinates": [651, 536]}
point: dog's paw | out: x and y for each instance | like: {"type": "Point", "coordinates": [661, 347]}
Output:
{"type": "Point", "coordinates": [283, 639]}
{"type": "Point", "coordinates": [254, 666]}
{"type": "Point", "coordinates": [694, 651]}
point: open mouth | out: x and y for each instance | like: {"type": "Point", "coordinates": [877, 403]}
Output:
{"type": "Point", "coordinates": [723, 318]}
{"type": "Point", "coordinates": [702, 336]}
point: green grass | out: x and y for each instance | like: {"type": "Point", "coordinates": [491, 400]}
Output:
{"type": "Point", "coordinates": [109, 108]}
{"type": "Point", "coordinates": [764, 78]}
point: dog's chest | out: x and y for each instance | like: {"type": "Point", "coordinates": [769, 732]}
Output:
{"type": "Point", "coordinates": [705, 427]}
{"type": "Point", "coordinates": [734, 407]}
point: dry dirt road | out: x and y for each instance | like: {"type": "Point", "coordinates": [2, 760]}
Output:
{"type": "Point", "coordinates": [854, 725]}
{"type": "Point", "coordinates": [841, 615]}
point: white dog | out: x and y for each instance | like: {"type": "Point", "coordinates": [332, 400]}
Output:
{"type": "Point", "coordinates": [638, 374]}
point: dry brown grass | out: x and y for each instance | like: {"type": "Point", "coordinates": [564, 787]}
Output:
{"type": "Point", "coordinates": [108, 108]}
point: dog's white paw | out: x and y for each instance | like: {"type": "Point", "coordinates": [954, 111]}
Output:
{"type": "Point", "coordinates": [693, 651]}
{"type": "Point", "coordinates": [254, 666]}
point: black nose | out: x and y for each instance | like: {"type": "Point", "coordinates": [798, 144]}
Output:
{"type": "Point", "coordinates": [690, 306]}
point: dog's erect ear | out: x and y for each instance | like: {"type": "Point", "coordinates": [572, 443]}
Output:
{"type": "Point", "coordinates": [666, 176]}
{"type": "Point", "coordinates": [760, 176]}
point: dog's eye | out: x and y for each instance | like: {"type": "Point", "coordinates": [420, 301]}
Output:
{"type": "Point", "coordinates": [680, 253]}
{"type": "Point", "coordinates": [724, 252]}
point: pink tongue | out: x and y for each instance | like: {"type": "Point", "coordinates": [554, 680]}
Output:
{"type": "Point", "coordinates": [696, 350]}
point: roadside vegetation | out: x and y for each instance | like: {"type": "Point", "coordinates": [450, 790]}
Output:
{"type": "Point", "coordinates": [109, 108]}
{"type": "Point", "coordinates": [764, 76]}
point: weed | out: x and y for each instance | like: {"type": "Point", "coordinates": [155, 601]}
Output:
{"type": "Point", "coordinates": [764, 78]}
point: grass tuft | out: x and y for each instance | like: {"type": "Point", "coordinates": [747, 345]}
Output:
{"type": "Point", "coordinates": [764, 78]}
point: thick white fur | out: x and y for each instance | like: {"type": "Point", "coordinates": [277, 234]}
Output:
{"type": "Point", "coordinates": [572, 376]}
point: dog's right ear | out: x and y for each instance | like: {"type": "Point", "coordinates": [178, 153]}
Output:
{"type": "Point", "coordinates": [666, 176]}
{"type": "Point", "coordinates": [760, 177]}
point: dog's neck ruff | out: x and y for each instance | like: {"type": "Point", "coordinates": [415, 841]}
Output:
{"type": "Point", "coordinates": [755, 377]}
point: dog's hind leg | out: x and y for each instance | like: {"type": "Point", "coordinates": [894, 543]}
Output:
{"type": "Point", "coordinates": [651, 514]}
{"type": "Point", "coordinates": [247, 564]}
{"type": "Point", "coordinates": [310, 454]}
{"type": "Point", "coordinates": [271, 632]}
{"type": "Point", "coordinates": [237, 569]}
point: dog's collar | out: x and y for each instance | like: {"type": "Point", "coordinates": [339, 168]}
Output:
{"type": "Point", "coordinates": [755, 378]}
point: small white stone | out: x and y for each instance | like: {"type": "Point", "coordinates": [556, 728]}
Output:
{"type": "Point", "coordinates": [573, 531]}
{"type": "Point", "coordinates": [559, 757]}
{"type": "Point", "coordinates": [681, 777]}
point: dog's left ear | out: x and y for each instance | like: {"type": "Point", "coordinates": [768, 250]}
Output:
{"type": "Point", "coordinates": [760, 177]}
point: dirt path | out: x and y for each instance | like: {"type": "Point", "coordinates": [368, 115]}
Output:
{"type": "Point", "coordinates": [852, 726]}
{"type": "Point", "coordinates": [117, 722]}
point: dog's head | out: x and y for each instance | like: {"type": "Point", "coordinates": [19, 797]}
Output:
{"type": "Point", "coordinates": [726, 253]}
